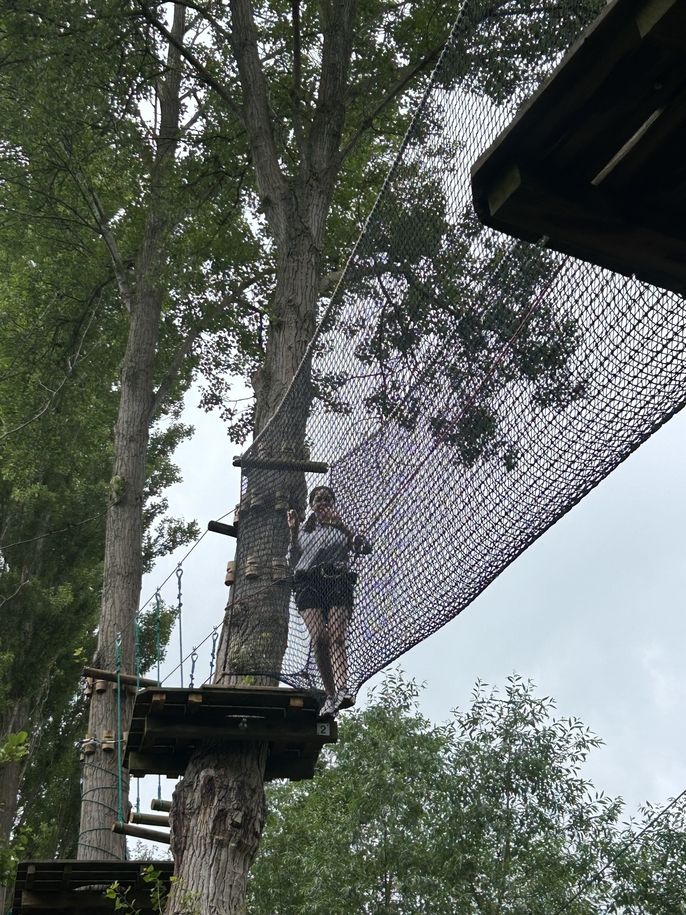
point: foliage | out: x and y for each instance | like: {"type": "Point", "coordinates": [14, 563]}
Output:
{"type": "Point", "coordinates": [76, 168]}
{"type": "Point", "coordinates": [158, 889]}
{"type": "Point", "coordinates": [75, 186]}
{"type": "Point", "coordinates": [13, 748]}
{"type": "Point", "coordinates": [487, 814]}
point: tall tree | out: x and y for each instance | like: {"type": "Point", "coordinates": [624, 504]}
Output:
{"type": "Point", "coordinates": [59, 355]}
{"type": "Point", "coordinates": [318, 89]}
{"type": "Point", "coordinates": [122, 230]}
{"type": "Point", "coordinates": [487, 814]}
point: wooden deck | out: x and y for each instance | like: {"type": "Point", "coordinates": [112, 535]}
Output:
{"type": "Point", "coordinates": [594, 163]}
{"type": "Point", "coordinates": [169, 724]}
{"type": "Point", "coordinates": [49, 887]}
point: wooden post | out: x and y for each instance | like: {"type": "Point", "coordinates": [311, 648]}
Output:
{"type": "Point", "coordinates": [141, 832]}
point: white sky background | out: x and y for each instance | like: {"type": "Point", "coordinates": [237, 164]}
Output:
{"type": "Point", "coordinates": [592, 612]}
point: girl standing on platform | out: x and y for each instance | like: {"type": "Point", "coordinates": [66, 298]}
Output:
{"type": "Point", "coordinates": [319, 557]}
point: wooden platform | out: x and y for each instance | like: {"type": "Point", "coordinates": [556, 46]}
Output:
{"type": "Point", "coordinates": [168, 725]}
{"type": "Point", "coordinates": [594, 162]}
{"type": "Point", "coordinates": [63, 886]}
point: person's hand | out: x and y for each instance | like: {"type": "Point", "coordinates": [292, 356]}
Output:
{"type": "Point", "coordinates": [332, 516]}
{"type": "Point", "coordinates": [293, 520]}
{"type": "Point", "coordinates": [361, 545]}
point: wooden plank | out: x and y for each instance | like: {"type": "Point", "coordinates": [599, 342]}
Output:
{"type": "Point", "coordinates": [586, 224]}
{"type": "Point", "coordinates": [141, 832]}
{"type": "Point", "coordinates": [612, 113]}
{"type": "Point", "coordinates": [558, 100]}
{"type": "Point", "coordinates": [651, 147]}
{"type": "Point", "coordinates": [55, 886]}
{"type": "Point", "coordinates": [278, 766]}
{"type": "Point", "coordinates": [238, 729]}
{"type": "Point", "coordinates": [157, 701]}
{"type": "Point", "coordinates": [158, 804]}
{"type": "Point", "coordinates": [129, 679]}
{"type": "Point", "coordinates": [258, 463]}
{"type": "Point", "coordinates": [149, 819]}
{"type": "Point", "coordinates": [218, 527]}
{"type": "Point", "coordinates": [140, 764]}
{"type": "Point", "coordinates": [65, 902]}
{"type": "Point", "coordinates": [651, 13]}
{"type": "Point", "coordinates": [610, 119]}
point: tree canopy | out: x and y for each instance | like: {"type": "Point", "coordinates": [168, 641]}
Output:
{"type": "Point", "coordinates": [487, 814]}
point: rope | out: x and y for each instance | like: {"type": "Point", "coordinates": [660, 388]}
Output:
{"type": "Point", "coordinates": [158, 637]}
{"type": "Point", "coordinates": [97, 802]}
{"type": "Point", "coordinates": [620, 854]}
{"type": "Point", "coordinates": [179, 577]}
{"type": "Point", "coordinates": [120, 733]}
{"type": "Point", "coordinates": [132, 619]}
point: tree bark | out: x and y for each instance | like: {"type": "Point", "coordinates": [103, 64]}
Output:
{"type": "Point", "coordinates": [124, 530]}
{"type": "Point", "coordinates": [219, 813]}
{"type": "Point", "coordinates": [122, 579]}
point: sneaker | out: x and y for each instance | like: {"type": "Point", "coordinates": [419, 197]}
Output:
{"type": "Point", "coordinates": [328, 709]}
{"type": "Point", "coordinates": [343, 699]}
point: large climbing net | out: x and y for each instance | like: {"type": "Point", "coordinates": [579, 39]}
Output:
{"type": "Point", "coordinates": [465, 389]}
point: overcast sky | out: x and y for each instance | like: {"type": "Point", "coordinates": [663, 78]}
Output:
{"type": "Point", "coordinates": [592, 612]}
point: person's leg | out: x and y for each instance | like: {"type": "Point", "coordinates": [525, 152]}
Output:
{"type": "Point", "coordinates": [339, 617]}
{"type": "Point", "coordinates": [319, 636]}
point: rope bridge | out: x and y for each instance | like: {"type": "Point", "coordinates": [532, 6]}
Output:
{"type": "Point", "coordinates": [464, 389]}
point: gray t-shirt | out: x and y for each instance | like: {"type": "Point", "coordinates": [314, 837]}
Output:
{"type": "Point", "coordinates": [323, 546]}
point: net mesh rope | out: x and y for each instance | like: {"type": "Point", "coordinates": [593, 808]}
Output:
{"type": "Point", "coordinates": [466, 389]}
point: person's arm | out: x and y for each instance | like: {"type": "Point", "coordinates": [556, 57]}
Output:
{"type": "Point", "coordinates": [335, 520]}
{"type": "Point", "coordinates": [294, 549]}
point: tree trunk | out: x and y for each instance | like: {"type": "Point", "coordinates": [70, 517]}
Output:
{"type": "Point", "coordinates": [219, 813]}
{"type": "Point", "coordinates": [251, 648]}
{"type": "Point", "coordinates": [102, 795]}
{"type": "Point", "coordinates": [255, 628]}
{"type": "Point", "coordinates": [122, 581]}
{"type": "Point", "coordinates": [10, 780]}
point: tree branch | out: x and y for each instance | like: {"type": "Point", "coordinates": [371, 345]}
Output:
{"type": "Point", "coordinates": [96, 208]}
{"type": "Point", "coordinates": [258, 116]}
{"type": "Point", "coordinates": [405, 78]}
{"type": "Point", "coordinates": [205, 13]}
{"type": "Point", "coordinates": [186, 346]}
{"type": "Point", "coordinates": [172, 372]}
{"type": "Point", "coordinates": [296, 92]}
{"type": "Point", "coordinates": [202, 72]}
{"type": "Point", "coordinates": [327, 127]}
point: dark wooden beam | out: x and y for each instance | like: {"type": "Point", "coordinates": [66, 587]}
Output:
{"type": "Point", "coordinates": [217, 527]}
{"type": "Point", "coordinates": [255, 463]}
{"type": "Point", "coordinates": [111, 677]}
{"type": "Point", "coordinates": [141, 832]}
{"type": "Point", "coordinates": [158, 804]}
{"type": "Point", "coordinates": [149, 819]}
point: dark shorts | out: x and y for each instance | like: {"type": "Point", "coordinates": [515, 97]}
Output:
{"type": "Point", "coordinates": [322, 590]}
